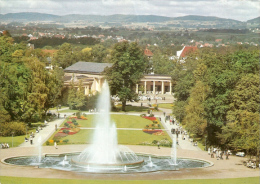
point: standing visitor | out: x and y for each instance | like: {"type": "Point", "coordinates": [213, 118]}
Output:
{"type": "Point", "coordinates": [55, 145]}
{"type": "Point", "coordinates": [217, 154]}
{"type": "Point", "coordinates": [227, 153]}
{"type": "Point", "coordinates": [208, 151]}
{"type": "Point", "coordinates": [31, 140]}
{"type": "Point", "coordinates": [158, 145]}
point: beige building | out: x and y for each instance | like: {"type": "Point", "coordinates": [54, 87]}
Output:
{"type": "Point", "coordinates": [92, 79]}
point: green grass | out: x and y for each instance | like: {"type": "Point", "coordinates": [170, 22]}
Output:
{"type": "Point", "coordinates": [122, 121]}
{"type": "Point", "coordinates": [130, 108]}
{"type": "Point", "coordinates": [165, 105]}
{"type": "Point", "coordinates": [22, 180]}
{"type": "Point", "coordinates": [17, 140]}
{"type": "Point", "coordinates": [131, 137]}
{"type": "Point", "coordinates": [70, 111]}
{"type": "Point", "coordinates": [55, 108]}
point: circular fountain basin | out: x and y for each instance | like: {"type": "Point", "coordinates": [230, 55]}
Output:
{"type": "Point", "coordinates": [148, 163]}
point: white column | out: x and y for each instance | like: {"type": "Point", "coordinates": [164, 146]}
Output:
{"type": "Point", "coordinates": [162, 87]}
{"type": "Point", "coordinates": [136, 90]}
{"type": "Point", "coordinates": [87, 90]}
{"type": "Point", "coordinates": [93, 88]}
{"type": "Point", "coordinates": [99, 85]}
{"type": "Point", "coordinates": [153, 87]}
{"type": "Point", "coordinates": [144, 87]}
{"type": "Point", "coordinates": [170, 87]}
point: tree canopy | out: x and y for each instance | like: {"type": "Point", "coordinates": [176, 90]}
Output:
{"type": "Point", "coordinates": [218, 96]}
{"type": "Point", "coordinates": [129, 65]}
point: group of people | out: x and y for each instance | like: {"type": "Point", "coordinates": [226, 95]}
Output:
{"type": "Point", "coordinates": [4, 145]}
{"type": "Point", "coordinates": [219, 153]}
{"type": "Point", "coordinates": [251, 164]}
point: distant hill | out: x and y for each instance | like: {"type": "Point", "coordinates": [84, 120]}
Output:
{"type": "Point", "coordinates": [254, 21]}
{"type": "Point", "coordinates": [115, 18]}
{"type": "Point", "coordinates": [27, 16]}
{"type": "Point", "coordinates": [188, 21]}
{"type": "Point", "coordinates": [204, 18]}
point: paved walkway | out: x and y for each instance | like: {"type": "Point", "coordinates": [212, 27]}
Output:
{"type": "Point", "coordinates": [46, 131]}
{"type": "Point", "coordinates": [232, 168]}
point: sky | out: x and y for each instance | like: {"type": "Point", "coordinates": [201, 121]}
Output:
{"type": "Point", "coordinates": [242, 10]}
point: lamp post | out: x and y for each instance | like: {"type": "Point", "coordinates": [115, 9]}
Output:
{"type": "Point", "coordinates": [12, 139]}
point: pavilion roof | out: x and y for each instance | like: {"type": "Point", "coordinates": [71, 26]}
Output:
{"type": "Point", "coordinates": [87, 67]}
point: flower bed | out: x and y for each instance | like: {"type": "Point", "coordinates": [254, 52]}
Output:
{"type": "Point", "coordinates": [60, 134]}
{"type": "Point", "coordinates": [151, 131]}
{"type": "Point", "coordinates": [150, 118]}
{"type": "Point", "coordinates": [73, 117]}
{"type": "Point", "coordinates": [65, 129]}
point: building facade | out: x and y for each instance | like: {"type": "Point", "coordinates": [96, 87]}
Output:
{"type": "Point", "coordinates": [92, 77]}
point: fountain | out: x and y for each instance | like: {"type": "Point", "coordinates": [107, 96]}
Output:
{"type": "Point", "coordinates": [104, 155]}
{"type": "Point", "coordinates": [39, 149]}
{"type": "Point", "coordinates": [104, 150]}
{"type": "Point", "coordinates": [174, 151]}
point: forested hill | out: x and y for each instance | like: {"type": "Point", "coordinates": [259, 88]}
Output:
{"type": "Point", "coordinates": [116, 18]}
{"type": "Point", "coordinates": [27, 17]}
{"type": "Point", "coordinates": [254, 21]}
{"type": "Point", "coordinates": [204, 18]}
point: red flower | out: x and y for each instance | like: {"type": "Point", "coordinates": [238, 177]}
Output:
{"type": "Point", "coordinates": [150, 118]}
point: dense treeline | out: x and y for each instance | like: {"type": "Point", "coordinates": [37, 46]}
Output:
{"type": "Point", "coordinates": [27, 89]}
{"type": "Point", "coordinates": [218, 97]}
{"type": "Point", "coordinates": [46, 41]}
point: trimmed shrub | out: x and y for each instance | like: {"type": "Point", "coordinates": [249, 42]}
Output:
{"type": "Point", "coordinates": [154, 142]}
{"type": "Point", "coordinates": [74, 120]}
{"type": "Point", "coordinates": [78, 114]}
{"type": "Point", "coordinates": [15, 127]}
{"type": "Point", "coordinates": [66, 141]}
{"type": "Point", "coordinates": [65, 131]}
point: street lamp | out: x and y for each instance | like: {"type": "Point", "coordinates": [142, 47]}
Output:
{"type": "Point", "coordinates": [12, 139]}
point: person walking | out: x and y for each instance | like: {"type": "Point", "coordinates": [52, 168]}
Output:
{"type": "Point", "coordinates": [31, 140]}
{"type": "Point", "coordinates": [55, 145]}
{"type": "Point", "coordinates": [158, 145]}
{"type": "Point", "coordinates": [227, 154]}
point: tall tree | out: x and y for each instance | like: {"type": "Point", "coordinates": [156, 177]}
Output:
{"type": "Point", "coordinates": [129, 65]}
{"type": "Point", "coordinates": [76, 97]}
{"type": "Point", "coordinates": [65, 56]}
{"type": "Point", "coordinates": [242, 128]}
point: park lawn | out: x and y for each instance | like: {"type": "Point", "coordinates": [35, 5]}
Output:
{"type": "Point", "coordinates": [122, 121]}
{"type": "Point", "coordinates": [137, 137]}
{"type": "Point", "coordinates": [130, 108]}
{"type": "Point", "coordinates": [22, 180]}
{"type": "Point", "coordinates": [130, 121]}
{"type": "Point", "coordinates": [71, 111]}
{"type": "Point", "coordinates": [129, 137]}
{"type": "Point", "coordinates": [17, 140]}
{"type": "Point", "coordinates": [165, 105]}
{"type": "Point", "coordinates": [55, 108]}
